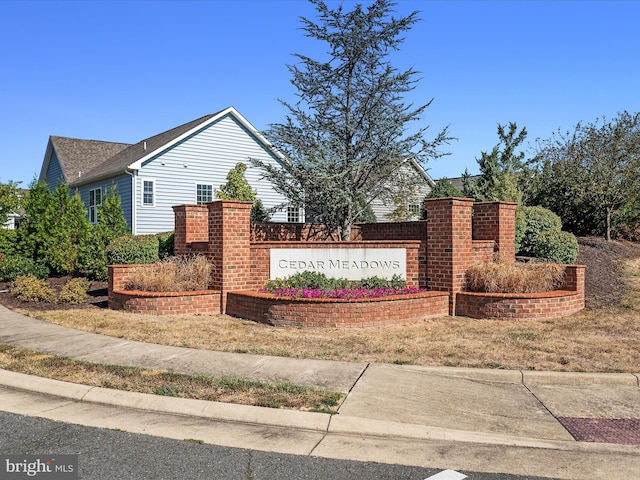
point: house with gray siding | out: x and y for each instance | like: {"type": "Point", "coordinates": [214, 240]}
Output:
{"type": "Point", "coordinates": [184, 165]}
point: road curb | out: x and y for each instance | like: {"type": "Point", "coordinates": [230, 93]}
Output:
{"type": "Point", "coordinates": [340, 425]}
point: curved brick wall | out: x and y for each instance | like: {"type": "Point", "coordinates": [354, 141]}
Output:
{"type": "Point", "coordinates": [519, 306]}
{"type": "Point", "coordinates": [297, 312]}
{"type": "Point", "coordinates": [165, 303]}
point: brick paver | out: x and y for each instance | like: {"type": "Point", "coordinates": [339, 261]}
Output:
{"type": "Point", "coordinates": [605, 430]}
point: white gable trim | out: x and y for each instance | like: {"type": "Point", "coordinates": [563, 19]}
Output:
{"type": "Point", "coordinates": [227, 111]}
{"type": "Point", "coordinates": [47, 160]}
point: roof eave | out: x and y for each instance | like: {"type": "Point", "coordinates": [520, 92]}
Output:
{"type": "Point", "coordinates": [227, 111]}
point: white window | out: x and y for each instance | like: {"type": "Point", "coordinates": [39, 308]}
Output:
{"type": "Point", "coordinates": [95, 200]}
{"type": "Point", "coordinates": [293, 214]}
{"type": "Point", "coordinates": [148, 193]}
{"type": "Point", "coordinates": [204, 193]}
{"type": "Point", "coordinates": [414, 210]}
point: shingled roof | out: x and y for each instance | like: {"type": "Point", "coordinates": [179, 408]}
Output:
{"type": "Point", "coordinates": [118, 162]}
{"type": "Point", "coordinates": [77, 157]}
{"type": "Point", "coordinates": [84, 161]}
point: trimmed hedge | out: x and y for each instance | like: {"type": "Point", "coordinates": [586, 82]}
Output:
{"type": "Point", "coordinates": [555, 246]}
{"type": "Point", "coordinates": [13, 266]}
{"type": "Point", "coordinates": [132, 249]}
{"type": "Point", "coordinates": [165, 244]}
{"type": "Point", "coordinates": [538, 219]}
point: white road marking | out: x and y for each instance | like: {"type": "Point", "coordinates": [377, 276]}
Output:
{"type": "Point", "coordinates": [447, 475]}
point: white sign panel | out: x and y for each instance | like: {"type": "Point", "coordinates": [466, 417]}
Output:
{"type": "Point", "coordinates": [349, 263]}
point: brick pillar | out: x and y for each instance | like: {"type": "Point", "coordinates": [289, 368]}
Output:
{"type": "Point", "coordinates": [230, 246]}
{"type": "Point", "coordinates": [496, 221]}
{"type": "Point", "coordinates": [190, 225]}
{"type": "Point", "coordinates": [449, 245]}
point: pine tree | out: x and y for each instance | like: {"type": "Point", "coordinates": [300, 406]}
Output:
{"type": "Point", "coordinates": [237, 188]}
{"type": "Point", "coordinates": [345, 139]}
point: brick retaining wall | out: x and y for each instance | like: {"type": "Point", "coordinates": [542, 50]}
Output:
{"type": "Point", "coordinates": [327, 312]}
{"type": "Point", "coordinates": [567, 300]}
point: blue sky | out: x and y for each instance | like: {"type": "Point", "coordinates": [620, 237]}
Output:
{"type": "Point", "coordinates": [122, 70]}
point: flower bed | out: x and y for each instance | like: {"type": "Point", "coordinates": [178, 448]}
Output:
{"type": "Point", "coordinates": [336, 312]}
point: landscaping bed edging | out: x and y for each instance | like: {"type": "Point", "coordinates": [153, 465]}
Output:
{"type": "Point", "coordinates": [165, 303]}
{"type": "Point", "coordinates": [519, 306]}
{"type": "Point", "coordinates": [336, 312]}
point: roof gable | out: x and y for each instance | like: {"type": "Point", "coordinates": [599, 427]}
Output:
{"type": "Point", "coordinates": [133, 156]}
{"type": "Point", "coordinates": [77, 157]}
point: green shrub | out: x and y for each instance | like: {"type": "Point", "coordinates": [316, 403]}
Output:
{"type": "Point", "coordinates": [538, 219]}
{"type": "Point", "coordinates": [31, 289]}
{"type": "Point", "coordinates": [13, 266]}
{"type": "Point", "coordinates": [165, 245]}
{"type": "Point", "coordinates": [554, 246]}
{"type": "Point", "coordinates": [131, 249]}
{"type": "Point", "coordinates": [521, 227]}
{"type": "Point", "coordinates": [7, 241]}
{"type": "Point", "coordinates": [74, 291]}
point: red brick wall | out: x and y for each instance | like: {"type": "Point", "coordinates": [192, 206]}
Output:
{"type": "Point", "coordinates": [229, 245]}
{"type": "Point", "coordinates": [513, 306]}
{"type": "Point", "coordinates": [165, 303]}
{"type": "Point", "coordinates": [287, 312]}
{"type": "Point", "coordinates": [496, 221]}
{"type": "Point", "coordinates": [191, 225]}
{"type": "Point", "coordinates": [449, 246]}
{"type": "Point", "coordinates": [160, 303]}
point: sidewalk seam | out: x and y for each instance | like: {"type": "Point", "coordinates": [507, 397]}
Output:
{"type": "Point", "coordinates": [544, 406]}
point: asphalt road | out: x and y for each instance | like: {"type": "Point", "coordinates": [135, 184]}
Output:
{"type": "Point", "coordinates": [112, 454]}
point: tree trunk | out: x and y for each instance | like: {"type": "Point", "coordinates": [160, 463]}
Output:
{"type": "Point", "coordinates": [608, 224]}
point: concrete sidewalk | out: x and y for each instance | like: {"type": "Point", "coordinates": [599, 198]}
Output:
{"type": "Point", "coordinates": [462, 419]}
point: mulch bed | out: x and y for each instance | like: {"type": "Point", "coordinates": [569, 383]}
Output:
{"type": "Point", "coordinates": [603, 277]}
{"type": "Point", "coordinates": [97, 296]}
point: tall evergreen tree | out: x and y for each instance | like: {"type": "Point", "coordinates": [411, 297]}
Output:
{"type": "Point", "coordinates": [68, 230]}
{"type": "Point", "coordinates": [237, 188]}
{"type": "Point", "coordinates": [500, 170]}
{"type": "Point", "coordinates": [111, 224]}
{"type": "Point", "coordinates": [33, 233]}
{"type": "Point", "coordinates": [346, 137]}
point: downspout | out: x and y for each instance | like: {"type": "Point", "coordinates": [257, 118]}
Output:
{"type": "Point", "coordinates": [134, 199]}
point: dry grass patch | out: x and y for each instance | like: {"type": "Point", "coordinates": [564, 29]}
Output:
{"type": "Point", "coordinates": [158, 382]}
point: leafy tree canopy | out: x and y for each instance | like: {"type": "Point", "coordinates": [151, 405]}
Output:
{"type": "Point", "coordinates": [443, 189]}
{"type": "Point", "coordinates": [10, 199]}
{"type": "Point", "coordinates": [347, 134]}
{"type": "Point", "coordinates": [589, 175]}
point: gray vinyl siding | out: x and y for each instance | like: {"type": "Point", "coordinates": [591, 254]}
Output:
{"type": "Point", "coordinates": [206, 157]}
{"type": "Point", "coordinates": [123, 189]}
{"type": "Point", "coordinates": [54, 174]}
{"type": "Point", "coordinates": [383, 207]}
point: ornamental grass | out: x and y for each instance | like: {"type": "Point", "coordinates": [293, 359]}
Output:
{"type": "Point", "coordinates": [175, 274]}
{"type": "Point", "coordinates": [514, 277]}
